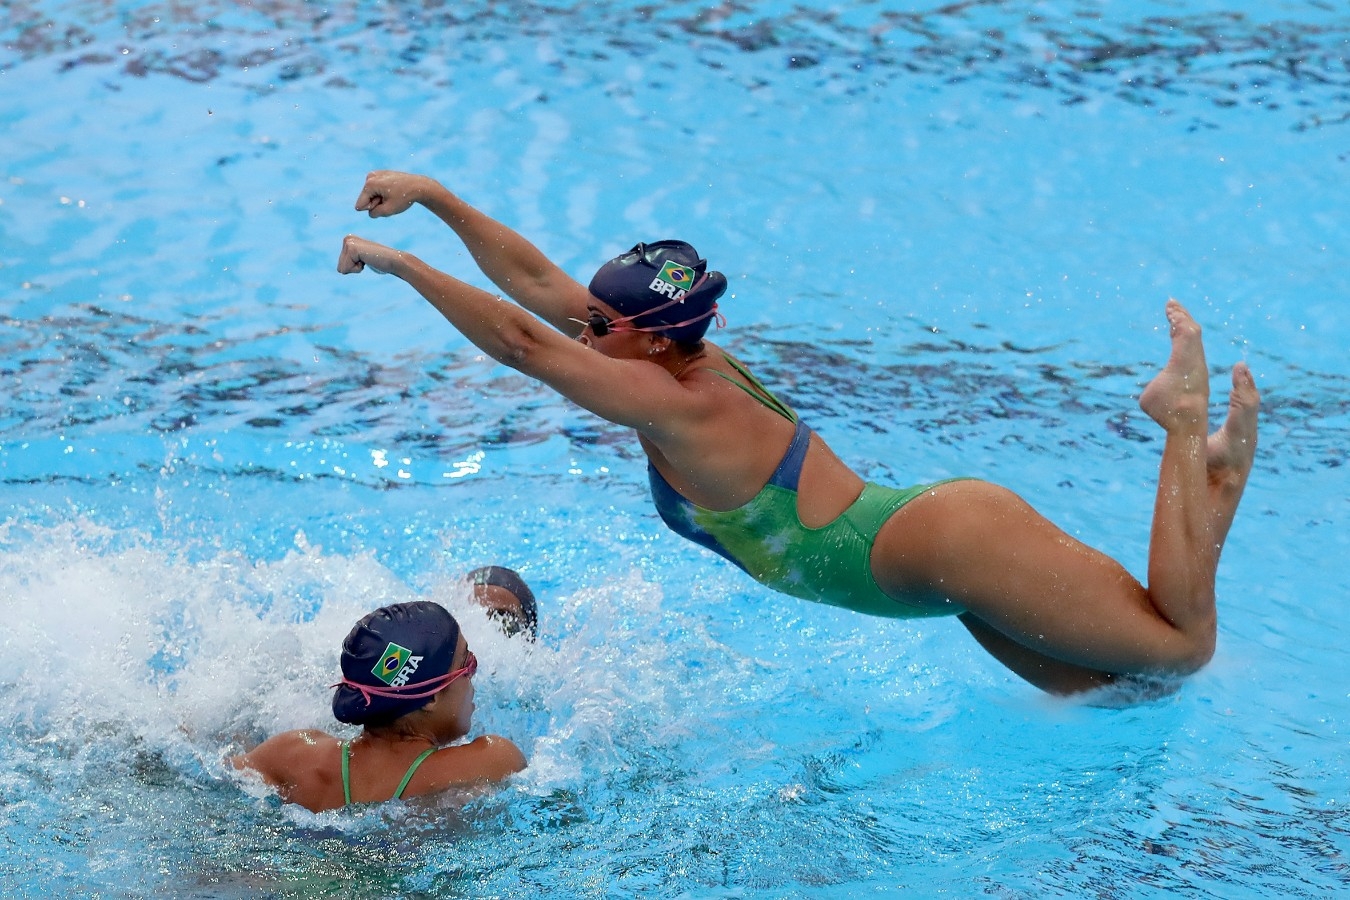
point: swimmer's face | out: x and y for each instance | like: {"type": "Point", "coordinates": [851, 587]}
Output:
{"type": "Point", "coordinates": [455, 701]}
{"type": "Point", "coordinates": [607, 331]}
{"type": "Point", "coordinates": [503, 607]}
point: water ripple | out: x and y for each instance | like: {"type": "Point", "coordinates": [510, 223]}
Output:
{"type": "Point", "coordinates": [1078, 53]}
{"type": "Point", "coordinates": [93, 375]}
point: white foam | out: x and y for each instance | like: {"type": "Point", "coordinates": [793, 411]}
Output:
{"type": "Point", "coordinates": [193, 653]}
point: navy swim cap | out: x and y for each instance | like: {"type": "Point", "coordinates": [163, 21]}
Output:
{"type": "Point", "coordinates": [502, 577]}
{"type": "Point", "coordinates": [395, 649]}
{"type": "Point", "coordinates": [667, 274]}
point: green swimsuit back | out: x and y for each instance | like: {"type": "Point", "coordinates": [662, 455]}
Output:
{"type": "Point", "coordinates": [766, 537]}
{"type": "Point", "coordinates": [402, 785]}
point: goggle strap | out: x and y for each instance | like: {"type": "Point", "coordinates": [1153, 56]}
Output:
{"type": "Point", "coordinates": [721, 322]}
{"type": "Point", "coordinates": [415, 691]}
{"type": "Point", "coordinates": [666, 305]}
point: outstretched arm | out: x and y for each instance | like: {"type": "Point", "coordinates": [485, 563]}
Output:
{"type": "Point", "coordinates": [635, 393]}
{"type": "Point", "coordinates": [514, 264]}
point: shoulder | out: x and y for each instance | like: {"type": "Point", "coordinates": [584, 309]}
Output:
{"type": "Point", "coordinates": [484, 759]}
{"type": "Point", "coordinates": [730, 369]}
{"type": "Point", "coordinates": [496, 745]}
{"type": "Point", "coordinates": [277, 758]}
{"type": "Point", "coordinates": [303, 739]}
{"type": "Point", "coordinates": [722, 389]}
{"type": "Point", "coordinates": [498, 756]}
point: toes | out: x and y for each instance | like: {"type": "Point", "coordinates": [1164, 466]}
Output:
{"type": "Point", "coordinates": [1244, 386]}
{"type": "Point", "coordinates": [1183, 329]}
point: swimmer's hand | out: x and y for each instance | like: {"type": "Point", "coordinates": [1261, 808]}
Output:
{"type": "Point", "coordinates": [388, 193]}
{"type": "Point", "coordinates": [357, 253]}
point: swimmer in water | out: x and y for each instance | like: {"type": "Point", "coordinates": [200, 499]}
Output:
{"type": "Point", "coordinates": [507, 598]}
{"type": "Point", "coordinates": [407, 678]}
{"type": "Point", "coordinates": [734, 469]}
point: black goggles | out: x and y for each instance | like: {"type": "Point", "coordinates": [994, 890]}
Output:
{"type": "Point", "coordinates": [599, 322]}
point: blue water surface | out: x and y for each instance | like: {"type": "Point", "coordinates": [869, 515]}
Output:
{"type": "Point", "coordinates": [950, 230]}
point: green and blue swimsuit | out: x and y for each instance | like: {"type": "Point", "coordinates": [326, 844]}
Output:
{"type": "Point", "coordinates": [766, 538]}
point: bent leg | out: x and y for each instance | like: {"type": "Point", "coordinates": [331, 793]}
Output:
{"type": "Point", "coordinates": [1182, 559]}
{"type": "Point", "coordinates": [1045, 672]}
{"type": "Point", "coordinates": [986, 550]}
{"type": "Point", "coordinates": [1230, 453]}
{"type": "Point", "coordinates": [1022, 579]}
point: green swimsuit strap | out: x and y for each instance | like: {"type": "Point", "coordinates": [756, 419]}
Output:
{"type": "Point", "coordinates": [756, 389]}
{"type": "Point", "coordinates": [402, 785]}
{"type": "Point", "coordinates": [412, 769]}
{"type": "Point", "coordinates": [346, 773]}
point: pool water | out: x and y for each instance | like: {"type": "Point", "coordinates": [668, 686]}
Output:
{"type": "Point", "coordinates": [949, 230]}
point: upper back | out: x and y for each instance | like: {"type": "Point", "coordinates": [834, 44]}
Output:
{"type": "Point", "coordinates": [753, 387]}
{"type": "Point", "coordinates": [721, 455]}
{"type": "Point", "coordinates": [727, 451]}
{"type": "Point", "coordinates": [305, 767]}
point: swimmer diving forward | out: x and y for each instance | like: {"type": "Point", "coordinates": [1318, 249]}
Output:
{"type": "Point", "coordinates": [734, 469]}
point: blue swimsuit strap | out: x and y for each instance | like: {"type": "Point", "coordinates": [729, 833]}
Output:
{"type": "Point", "coordinates": [789, 471]}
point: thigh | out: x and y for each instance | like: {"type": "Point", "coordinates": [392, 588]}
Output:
{"type": "Point", "coordinates": [984, 549]}
{"type": "Point", "coordinates": [1045, 672]}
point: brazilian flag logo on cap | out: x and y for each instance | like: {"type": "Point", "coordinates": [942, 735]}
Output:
{"type": "Point", "coordinates": [675, 274]}
{"type": "Point", "coordinates": [391, 663]}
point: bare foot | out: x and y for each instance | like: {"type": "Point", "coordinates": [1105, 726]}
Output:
{"type": "Point", "coordinates": [1178, 398]}
{"type": "Point", "coordinates": [1232, 449]}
